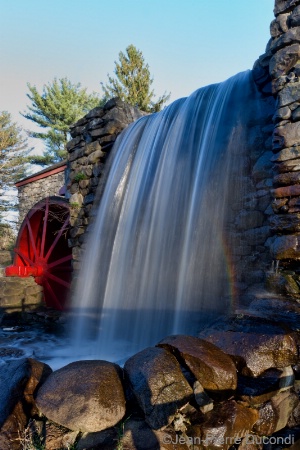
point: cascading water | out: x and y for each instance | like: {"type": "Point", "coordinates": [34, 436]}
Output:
{"type": "Point", "coordinates": [157, 257]}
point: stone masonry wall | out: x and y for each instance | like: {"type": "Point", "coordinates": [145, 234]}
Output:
{"type": "Point", "coordinates": [19, 294]}
{"type": "Point", "coordinates": [39, 186]}
{"type": "Point", "coordinates": [250, 204]}
{"type": "Point", "coordinates": [281, 65]}
{"type": "Point", "coordinates": [93, 137]}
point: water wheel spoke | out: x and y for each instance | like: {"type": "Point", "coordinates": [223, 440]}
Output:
{"type": "Point", "coordinates": [44, 228]}
{"type": "Point", "coordinates": [62, 269]}
{"type": "Point", "coordinates": [57, 279]}
{"type": "Point", "coordinates": [57, 238]}
{"type": "Point", "coordinates": [59, 261]}
{"type": "Point", "coordinates": [32, 241]}
{"type": "Point", "coordinates": [24, 257]}
{"type": "Point", "coordinates": [52, 294]}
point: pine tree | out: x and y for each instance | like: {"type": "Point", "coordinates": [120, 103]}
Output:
{"type": "Point", "coordinates": [13, 161]}
{"type": "Point", "coordinates": [60, 105]}
{"type": "Point", "coordinates": [133, 82]}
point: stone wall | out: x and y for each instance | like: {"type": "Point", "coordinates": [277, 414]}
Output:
{"type": "Point", "coordinates": [45, 183]}
{"type": "Point", "coordinates": [277, 72]}
{"type": "Point", "coordinates": [19, 294]}
{"type": "Point", "coordinates": [250, 204]}
{"type": "Point", "coordinates": [93, 137]}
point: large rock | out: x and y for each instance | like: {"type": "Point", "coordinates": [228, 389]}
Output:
{"type": "Point", "coordinates": [293, 204]}
{"type": "Point", "coordinates": [289, 166]}
{"type": "Point", "coordinates": [286, 179]}
{"type": "Point", "coordinates": [284, 5]}
{"type": "Point", "coordinates": [19, 380]}
{"type": "Point", "coordinates": [284, 60]}
{"type": "Point", "coordinates": [257, 235]}
{"type": "Point", "coordinates": [255, 344]}
{"type": "Point", "coordinates": [295, 17]}
{"type": "Point", "coordinates": [286, 136]}
{"type": "Point", "coordinates": [227, 424]}
{"type": "Point", "coordinates": [84, 395]}
{"type": "Point", "coordinates": [286, 191]}
{"type": "Point", "coordinates": [277, 309]}
{"type": "Point", "coordinates": [258, 390]}
{"type": "Point", "coordinates": [282, 283]}
{"type": "Point", "coordinates": [274, 414]}
{"type": "Point", "coordinates": [210, 365]}
{"type": "Point", "coordinates": [289, 94]}
{"type": "Point", "coordinates": [262, 166]}
{"type": "Point", "coordinates": [283, 113]}
{"type": "Point", "coordinates": [289, 37]}
{"type": "Point", "coordinates": [285, 223]}
{"type": "Point", "coordinates": [279, 26]}
{"type": "Point", "coordinates": [158, 384]}
{"type": "Point", "coordinates": [285, 247]}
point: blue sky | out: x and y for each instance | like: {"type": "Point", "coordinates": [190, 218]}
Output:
{"type": "Point", "coordinates": [187, 43]}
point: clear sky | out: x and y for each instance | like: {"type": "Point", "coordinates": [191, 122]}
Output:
{"type": "Point", "coordinates": [187, 43]}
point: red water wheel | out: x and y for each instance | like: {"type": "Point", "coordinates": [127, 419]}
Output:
{"type": "Point", "coordinates": [42, 250]}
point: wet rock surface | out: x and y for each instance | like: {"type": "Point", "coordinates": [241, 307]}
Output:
{"type": "Point", "coordinates": [212, 367]}
{"type": "Point", "coordinates": [84, 395]}
{"type": "Point", "coordinates": [165, 407]}
{"type": "Point", "coordinates": [254, 343]}
{"type": "Point", "coordinates": [286, 247]}
{"type": "Point", "coordinates": [227, 422]}
{"type": "Point", "coordinates": [19, 380]}
{"type": "Point", "coordinates": [258, 390]}
{"type": "Point", "coordinates": [158, 384]}
{"type": "Point", "coordinates": [274, 414]}
{"type": "Point", "coordinates": [279, 309]}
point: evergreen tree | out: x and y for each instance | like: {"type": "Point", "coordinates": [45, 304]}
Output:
{"type": "Point", "coordinates": [133, 82]}
{"type": "Point", "coordinates": [59, 106]}
{"type": "Point", "coordinates": [13, 161]}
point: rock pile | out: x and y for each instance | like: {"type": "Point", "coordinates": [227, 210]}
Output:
{"type": "Point", "coordinates": [184, 393]}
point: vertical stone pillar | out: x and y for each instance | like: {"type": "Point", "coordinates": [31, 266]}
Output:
{"type": "Point", "coordinates": [284, 70]}
{"type": "Point", "coordinates": [93, 137]}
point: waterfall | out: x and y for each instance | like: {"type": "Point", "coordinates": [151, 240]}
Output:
{"type": "Point", "coordinates": [157, 261]}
